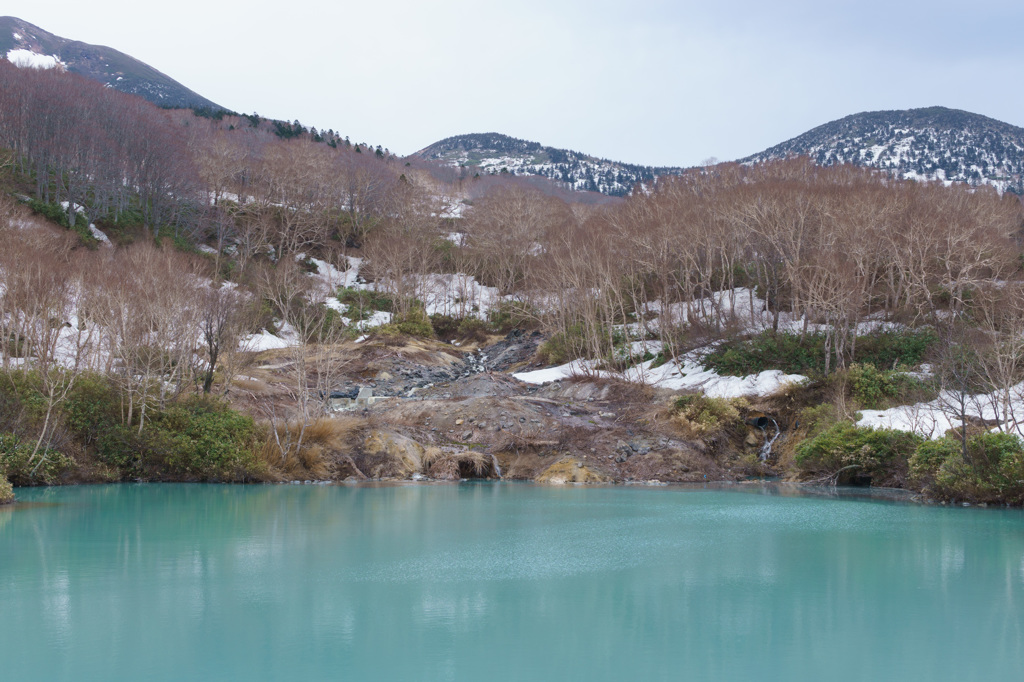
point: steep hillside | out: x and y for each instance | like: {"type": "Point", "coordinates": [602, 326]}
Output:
{"type": "Point", "coordinates": [934, 144]}
{"type": "Point", "coordinates": [491, 153]}
{"type": "Point", "coordinates": [28, 45]}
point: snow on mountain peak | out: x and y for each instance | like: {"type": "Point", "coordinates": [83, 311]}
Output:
{"type": "Point", "coordinates": [27, 59]}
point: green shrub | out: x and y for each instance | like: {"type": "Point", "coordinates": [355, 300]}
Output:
{"type": "Point", "coordinates": [20, 467]}
{"type": "Point", "coordinates": [192, 439]}
{"type": "Point", "coordinates": [881, 454]}
{"type": "Point", "coordinates": [204, 439]}
{"type": "Point", "coordinates": [52, 212]}
{"type": "Point", "coordinates": [929, 458]}
{"type": "Point", "coordinates": [562, 347]}
{"type": "Point", "coordinates": [92, 408]}
{"type": "Point", "coordinates": [767, 351]}
{"type": "Point", "coordinates": [178, 241]}
{"type": "Point", "coordinates": [890, 349]}
{"type": "Point", "coordinates": [818, 418]}
{"type": "Point", "coordinates": [622, 355]}
{"type": "Point", "coordinates": [362, 302]}
{"type": "Point", "coordinates": [6, 491]}
{"type": "Point", "coordinates": [509, 315]}
{"type": "Point", "coordinates": [472, 327]}
{"type": "Point", "coordinates": [445, 326]}
{"type": "Point", "coordinates": [993, 471]}
{"type": "Point", "coordinates": [414, 323]}
{"type": "Point", "coordinates": [795, 355]}
{"type": "Point", "coordinates": [58, 214]}
{"type": "Point", "coordinates": [875, 388]}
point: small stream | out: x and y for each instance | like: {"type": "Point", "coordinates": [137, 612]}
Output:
{"type": "Point", "coordinates": [766, 449]}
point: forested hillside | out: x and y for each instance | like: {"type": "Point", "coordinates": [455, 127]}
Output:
{"type": "Point", "coordinates": [159, 259]}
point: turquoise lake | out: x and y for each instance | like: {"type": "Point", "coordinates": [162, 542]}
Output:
{"type": "Point", "coordinates": [504, 582]}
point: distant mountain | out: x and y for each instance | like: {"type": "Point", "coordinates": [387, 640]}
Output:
{"type": "Point", "coordinates": [493, 153]}
{"type": "Point", "coordinates": [925, 144]}
{"type": "Point", "coordinates": [28, 45]}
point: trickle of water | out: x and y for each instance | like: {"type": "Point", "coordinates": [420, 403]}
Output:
{"type": "Point", "coordinates": [766, 449]}
{"type": "Point", "coordinates": [497, 467]}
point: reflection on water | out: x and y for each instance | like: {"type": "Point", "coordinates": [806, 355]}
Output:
{"type": "Point", "coordinates": [503, 582]}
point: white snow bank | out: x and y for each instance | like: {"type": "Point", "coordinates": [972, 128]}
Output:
{"type": "Point", "coordinates": [78, 209]}
{"type": "Point", "coordinates": [99, 236]}
{"type": "Point", "coordinates": [331, 278]}
{"type": "Point", "coordinates": [378, 319]}
{"type": "Point", "coordinates": [267, 341]}
{"type": "Point", "coordinates": [741, 307]}
{"type": "Point", "coordinates": [673, 375]}
{"type": "Point", "coordinates": [543, 376]}
{"type": "Point", "coordinates": [457, 295]}
{"type": "Point", "coordinates": [690, 376]}
{"type": "Point", "coordinates": [27, 59]}
{"type": "Point", "coordinates": [933, 419]}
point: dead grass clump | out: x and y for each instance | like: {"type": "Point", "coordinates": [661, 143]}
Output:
{"type": "Point", "coordinates": [571, 470]}
{"type": "Point", "coordinates": [314, 452]}
{"type": "Point", "coordinates": [254, 387]}
{"type": "Point", "coordinates": [628, 392]}
{"type": "Point", "coordinates": [698, 416]}
{"type": "Point", "coordinates": [452, 466]}
{"type": "Point", "coordinates": [391, 455]}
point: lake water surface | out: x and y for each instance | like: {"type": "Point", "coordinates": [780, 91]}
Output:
{"type": "Point", "coordinates": [503, 582]}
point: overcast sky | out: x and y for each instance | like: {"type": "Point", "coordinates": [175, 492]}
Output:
{"type": "Point", "coordinates": [659, 82]}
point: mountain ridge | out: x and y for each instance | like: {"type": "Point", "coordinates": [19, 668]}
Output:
{"type": "Point", "coordinates": [494, 153]}
{"type": "Point", "coordinates": [104, 64]}
{"type": "Point", "coordinates": [930, 143]}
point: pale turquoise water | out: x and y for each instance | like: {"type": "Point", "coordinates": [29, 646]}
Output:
{"type": "Point", "coordinates": [503, 582]}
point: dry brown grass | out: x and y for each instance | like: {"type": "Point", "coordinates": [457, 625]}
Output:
{"type": "Point", "coordinates": [697, 416]}
{"type": "Point", "coordinates": [571, 470]}
{"type": "Point", "coordinates": [452, 466]}
{"type": "Point", "coordinates": [386, 454]}
{"type": "Point", "coordinates": [326, 444]}
{"type": "Point", "coordinates": [255, 387]}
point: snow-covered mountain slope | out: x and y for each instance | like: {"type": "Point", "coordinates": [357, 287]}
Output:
{"type": "Point", "coordinates": [30, 46]}
{"type": "Point", "coordinates": [929, 144]}
{"type": "Point", "coordinates": [493, 153]}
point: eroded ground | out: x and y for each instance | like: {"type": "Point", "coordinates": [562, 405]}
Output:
{"type": "Point", "coordinates": [457, 412]}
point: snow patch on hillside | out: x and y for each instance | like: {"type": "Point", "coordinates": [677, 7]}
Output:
{"type": "Point", "coordinates": [27, 59]}
{"type": "Point", "coordinates": [677, 375]}
{"type": "Point", "coordinates": [99, 236]}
